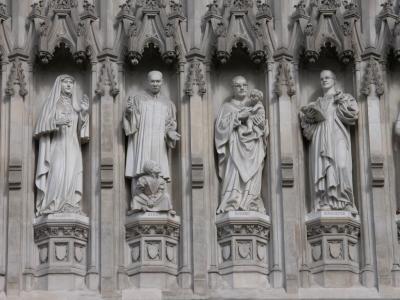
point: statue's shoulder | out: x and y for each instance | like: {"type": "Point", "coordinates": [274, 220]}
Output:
{"type": "Point", "coordinates": [345, 96]}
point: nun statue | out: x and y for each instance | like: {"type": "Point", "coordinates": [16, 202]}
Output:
{"type": "Point", "coordinates": [62, 125]}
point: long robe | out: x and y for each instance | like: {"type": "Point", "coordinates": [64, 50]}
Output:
{"type": "Point", "coordinates": [147, 127]}
{"type": "Point", "coordinates": [240, 161]}
{"type": "Point", "coordinates": [59, 166]}
{"type": "Point", "coordinates": [330, 159]}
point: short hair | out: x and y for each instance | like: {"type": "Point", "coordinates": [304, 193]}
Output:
{"type": "Point", "coordinates": [234, 79]}
{"type": "Point", "coordinates": [154, 72]}
{"type": "Point", "coordinates": [333, 74]}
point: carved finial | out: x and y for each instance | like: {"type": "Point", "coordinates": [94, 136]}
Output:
{"type": "Point", "coordinates": [309, 30]}
{"type": "Point", "coordinates": [301, 8]}
{"type": "Point", "coordinates": [37, 8]}
{"type": "Point", "coordinates": [63, 4]}
{"type": "Point", "coordinates": [89, 8]}
{"type": "Point", "coordinates": [284, 78]}
{"type": "Point", "coordinates": [241, 4]}
{"type": "Point", "coordinates": [387, 7]}
{"type": "Point", "coordinates": [212, 7]}
{"type": "Point", "coordinates": [125, 8]}
{"type": "Point", "coordinates": [169, 29]}
{"type": "Point", "coordinates": [195, 77]}
{"type": "Point", "coordinates": [133, 29]}
{"type": "Point", "coordinates": [151, 4]}
{"type": "Point", "coordinates": [221, 30]}
{"type": "Point", "coordinates": [347, 28]}
{"type": "Point", "coordinates": [372, 76]}
{"type": "Point", "coordinates": [107, 77]}
{"type": "Point", "coordinates": [263, 8]}
{"type": "Point", "coordinates": [176, 7]}
{"type": "Point", "coordinates": [17, 77]}
{"type": "Point", "coordinates": [3, 11]}
{"type": "Point", "coordinates": [329, 4]}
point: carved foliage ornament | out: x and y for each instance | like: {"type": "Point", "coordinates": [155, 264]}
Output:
{"type": "Point", "coordinates": [155, 229]}
{"type": "Point", "coordinates": [284, 78]}
{"type": "Point", "coordinates": [195, 77]}
{"type": "Point", "coordinates": [17, 77]}
{"type": "Point", "coordinates": [107, 77]}
{"type": "Point", "coordinates": [372, 76]}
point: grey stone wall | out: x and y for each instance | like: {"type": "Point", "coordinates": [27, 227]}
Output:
{"type": "Point", "coordinates": [280, 46]}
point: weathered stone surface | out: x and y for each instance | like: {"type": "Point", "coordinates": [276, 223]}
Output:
{"type": "Point", "coordinates": [280, 47]}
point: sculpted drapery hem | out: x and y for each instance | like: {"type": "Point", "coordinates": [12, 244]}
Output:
{"type": "Point", "coordinates": [59, 166]}
{"type": "Point", "coordinates": [330, 150]}
{"type": "Point", "coordinates": [240, 161]}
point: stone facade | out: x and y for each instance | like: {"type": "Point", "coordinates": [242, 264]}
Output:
{"type": "Point", "coordinates": [283, 247]}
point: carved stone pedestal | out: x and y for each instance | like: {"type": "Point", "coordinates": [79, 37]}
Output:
{"type": "Point", "coordinates": [333, 238]}
{"type": "Point", "coordinates": [243, 241]}
{"type": "Point", "coordinates": [61, 241]}
{"type": "Point", "coordinates": [153, 239]}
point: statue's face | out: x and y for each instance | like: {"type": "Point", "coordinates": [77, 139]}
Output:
{"type": "Point", "coordinates": [327, 80]}
{"type": "Point", "coordinates": [67, 85]}
{"type": "Point", "coordinates": [155, 82]}
{"type": "Point", "coordinates": [240, 88]}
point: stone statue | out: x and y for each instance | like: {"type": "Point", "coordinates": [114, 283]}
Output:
{"type": "Point", "coordinates": [325, 124]}
{"type": "Point", "coordinates": [240, 140]}
{"type": "Point", "coordinates": [150, 194]}
{"type": "Point", "coordinates": [62, 125]}
{"type": "Point", "coordinates": [150, 124]}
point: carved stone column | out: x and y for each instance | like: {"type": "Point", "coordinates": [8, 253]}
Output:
{"type": "Point", "coordinates": [333, 238]}
{"type": "Point", "coordinates": [153, 239]}
{"type": "Point", "coordinates": [243, 238]}
{"type": "Point", "coordinates": [16, 92]}
{"type": "Point", "coordinates": [61, 241]}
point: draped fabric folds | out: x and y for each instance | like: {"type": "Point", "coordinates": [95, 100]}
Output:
{"type": "Point", "coordinates": [59, 166]}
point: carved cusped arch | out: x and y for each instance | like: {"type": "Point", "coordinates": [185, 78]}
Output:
{"type": "Point", "coordinates": [56, 22]}
{"type": "Point", "coordinates": [150, 23]}
{"type": "Point", "coordinates": [238, 24]}
{"type": "Point", "coordinates": [323, 24]}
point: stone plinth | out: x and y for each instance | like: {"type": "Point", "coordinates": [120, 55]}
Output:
{"type": "Point", "coordinates": [61, 241]}
{"type": "Point", "coordinates": [243, 241]}
{"type": "Point", "coordinates": [153, 239]}
{"type": "Point", "coordinates": [333, 238]}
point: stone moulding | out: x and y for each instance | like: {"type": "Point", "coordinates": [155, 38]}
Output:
{"type": "Point", "coordinates": [153, 239]}
{"type": "Point", "coordinates": [61, 241]}
{"type": "Point", "coordinates": [243, 238]}
{"type": "Point", "coordinates": [333, 238]}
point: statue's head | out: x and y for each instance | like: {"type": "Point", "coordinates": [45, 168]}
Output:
{"type": "Point", "coordinates": [67, 85]}
{"type": "Point", "coordinates": [154, 81]}
{"type": "Point", "coordinates": [240, 88]}
{"type": "Point", "coordinates": [150, 167]}
{"type": "Point", "coordinates": [328, 79]}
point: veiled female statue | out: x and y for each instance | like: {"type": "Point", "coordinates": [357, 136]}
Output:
{"type": "Point", "coordinates": [240, 140]}
{"type": "Point", "coordinates": [62, 125]}
{"type": "Point", "coordinates": [325, 124]}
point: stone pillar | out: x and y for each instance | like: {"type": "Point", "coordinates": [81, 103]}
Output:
{"type": "Point", "coordinates": [16, 91]}
{"type": "Point", "coordinates": [153, 241]}
{"type": "Point", "coordinates": [243, 238]}
{"type": "Point", "coordinates": [196, 90]}
{"type": "Point", "coordinates": [107, 90]}
{"type": "Point", "coordinates": [333, 238]}
{"type": "Point", "coordinates": [61, 241]}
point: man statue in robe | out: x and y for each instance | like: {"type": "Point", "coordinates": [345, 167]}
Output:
{"type": "Point", "coordinates": [240, 153]}
{"type": "Point", "coordinates": [325, 124]}
{"type": "Point", "coordinates": [150, 125]}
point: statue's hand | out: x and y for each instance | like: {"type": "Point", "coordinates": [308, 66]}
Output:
{"type": "Point", "coordinates": [63, 121]}
{"type": "Point", "coordinates": [85, 103]}
{"type": "Point", "coordinates": [130, 104]}
{"type": "Point", "coordinates": [243, 114]}
{"type": "Point", "coordinates": [173, 135]}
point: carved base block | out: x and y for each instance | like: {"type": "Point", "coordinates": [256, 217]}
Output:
{"type": "Point", "coordinates": [333, 238]}
{"type": "Point", "coordinates": [243, 241]}
{"type": "Point", "coordinates": [61, 241]}
{"type": "Point", "coordinates": [153, 239]}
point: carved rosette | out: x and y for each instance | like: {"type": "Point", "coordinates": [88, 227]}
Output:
{"type": "Point", "coordinates": [243, 238]}
{"type": "Point", "coordinates": [152, 239]}
{"type": "Point", "coordinates": [333, 238]}
{"type": "Point", "coordinates": [61, 241]}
